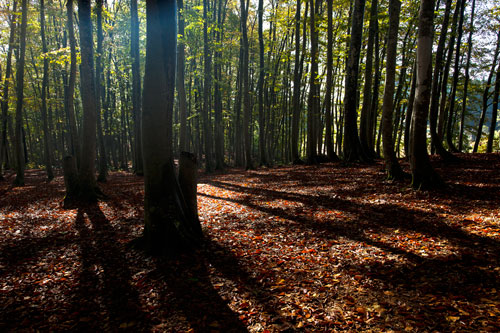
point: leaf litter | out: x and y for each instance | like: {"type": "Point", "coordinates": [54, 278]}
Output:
{"type": "Point", "coordinates": [290, 248]}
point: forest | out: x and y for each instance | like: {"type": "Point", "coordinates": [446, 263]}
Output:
{"type": "Point", "coordinates": [249, 166]}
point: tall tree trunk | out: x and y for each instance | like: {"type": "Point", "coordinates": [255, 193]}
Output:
{"type": "Point", "coordinates": [260, 88]}
{"type": "Point", "coordinates": [366, 118]}
{"type": "Point", "coordinates": [207, 62]}
{"type": "Point", "coordinates": [466, 84]}
{"type": "Point", "coordinates": [181, 89]}
{"type": "Point", "coordinates": [219, 129]}
{"type": "Point", "coordinates": [5, 91]}
{"type": "Point", "coordinates": [245, 87]}
{"type": "Point", "coordinates": [20, 156]}
{"type": "Point", "coordinates": [353, 151]}
{"type": "Point", "coordinates": [70, 89]}
{"type": "Point", "coordinates": [87, 181]}
{"type": "Point", "coordinates": [456, 72]}
{"type": "Point", "coordinates": [296, 89]}
{"type": "Point", "coordinates": [409, 111]}
{"type": "Point", "coordinates": [485, 96]}
{"type": "Point", "coordinates": [166, 220]}
{"type": "Point", "coordinates": [391, 163]}
{"type": "Point", "coordinates": [330, 152]}
{"type": "Point", "coordinates": [494, 113]}
{"type": "Point", "coordinates": [423, 173]}
{"type": "Point", "coordinates": [45, 82]}
{"type": "Point", "coordinates": [136, 87]}
{"type": "Point", "coordinates": [313, 98]}
{"type": "Point", "coordinates": [103, 165]}
{"type": "Point", "coordinates": [438, 75]}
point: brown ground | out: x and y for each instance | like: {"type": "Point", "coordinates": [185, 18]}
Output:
{"type": "Point", "coordinates": [294, 248]}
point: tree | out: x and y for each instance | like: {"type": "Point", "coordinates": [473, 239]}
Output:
{"type": "Point", "coordinates": [20, 156]}
{"type": "Point", "coordinates": [45, 82]}
{"type": "Point", "coordinates": [103, 164]}
{"type": "Point", "coordinates": [69, 91]}
{"type": "Point", "coordinates": [494, 113]}
{"type": "Point", "coordinates": [423, 174]}
{"type": "Point", "coordinates": [353, 151]}
{"type": "Point", "coordinates": [245, 86]}
{"type": "Point", "coordinates": [296, 89]}
{"type": "Point", "coordinates": [391, 163]}
{"type": "Point", "coordinates": [313, 98]}
{"type": "Point", "coordinates": [5, 91]}
{"type": "Point", "coordinates": [136, 86]}
{"type": "Point", "coordinates": [168, 223]}
{"type": "Point", "coordinates": [181, 89]}
{"type": "Point", "coordinates": [260, 87]}
{"type": "Point", "coordinates": [87, 182]}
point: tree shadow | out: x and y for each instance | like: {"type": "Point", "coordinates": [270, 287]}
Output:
{"type": "Point", "coordinates": [103, 299]}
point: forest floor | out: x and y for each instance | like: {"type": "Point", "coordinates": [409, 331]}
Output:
{"type": "Point", "coordinates": [291, 248]}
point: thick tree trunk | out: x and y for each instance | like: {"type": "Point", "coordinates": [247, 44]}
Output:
{"type": "Point", "coordinates": [166, 223]}
{"type": "Point", "coordinates": [86, 171]}
{"type": "Point", "coordinates": [423, 173]}
{"type": "Point", "coordinates": [353, 151]}
{"type": "Point", "coordinates": [392, 166]}
{"type": "Point", "coordinates": [136, 87]}
{"type": "Point", "coordinates": [20, 155]}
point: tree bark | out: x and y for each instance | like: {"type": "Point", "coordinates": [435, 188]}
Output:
{"type": "Point", "coordinates": [87, 181]}
{"type": "Point", "coordinates": [207, 63]}
{"type": "Point", "coordinates": [245, 87]}
{"type": "Point", "coordinates": [181, 89]}
{"type": "Point", "coordinates": [70, 90]}
{"type": "Point", "coordinates": [494, 113]}
{"type": "Point", "coordinates": [166, 225]}
{"type": "Point", "coordinates": [485, 96]}
{"type": "Point", "coordinates": [392, 166]}
{"type": "Point", "coordinates": [353, 151]}
{"type": "Point", "coordinates": [296, 89]}
{"type": "Point", "coordinates": [423, 174]}
{"type": "Point", "coordinates": [366, 118]}
{"type": "Point", "coordinates": [103, 164]}
{"type": "Point", "coordinates": [313, 98]}
{"type": "Point", "coordinates": [20, 156]}
{"type": "Point", "coordinates": [260, 88]}
{"type": "Point", "coordinates": [136, 87]}
{"type": "Point", "coordinates": [5, 91]}
{"type": "Point", "coordinates": [466, 84]}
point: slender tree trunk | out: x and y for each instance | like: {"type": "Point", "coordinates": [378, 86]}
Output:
{"type": "Point", "coordinates": [485, 96]}
{"type": "Point", "coordinates": [366, 118]}
{"type": "Point", "coordinates": [20, 156]}
{"type": "Point", "coordinates": [466, 84]}
{"type": "Point", "coordinates": [219, 129]}
{"type": "Point", "coordinates": [494, 113]}
{"type": "Point", "coordinates": [260, 88]}
{"type": "Point", "coordinates": [409, 112]}
{"type": "Point", "coordinates": [103, 165]}
{"type": "Point", "coordinates": [438, 74]}
{"type": "Point", "coordinates": [136, 87]}
{"type": "Point", "coordinates": [353, 151]}
{"type": "Point", "coordinates": [456, 72]}
{"type": "Point", "coordinates": [296, 89]}
{"type": "Point", "coordinates": [5, 92]}
{"type": "Point", "coordinates": [70, 90]}
{"type": "Point", "coordinates": [181, 89]}
{"type": "Point", "coordinates": [391, 163]}
{"type": "Point", "coordinates": [45, 82]}
{"type": "Point", "coordinates": [313, 103]}
{"type": "Point", "coordinates": [423, 173]}
{"type": "Point", "coordinates": [245, 88]}
{"type": "Point", "coordinates": [207, 62]}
